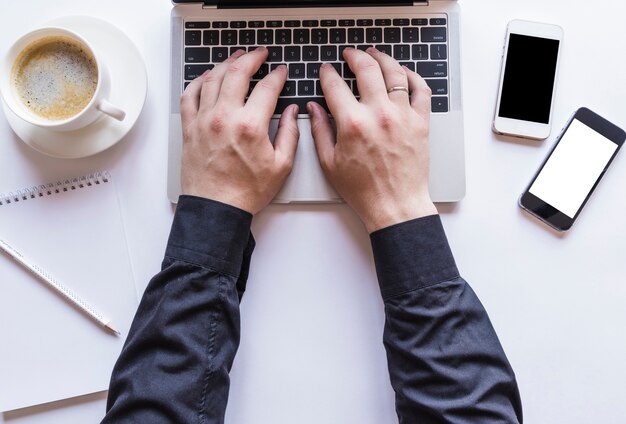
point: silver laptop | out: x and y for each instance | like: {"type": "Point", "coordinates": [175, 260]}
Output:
{"type": "Point", "coordinates": [423, 35]}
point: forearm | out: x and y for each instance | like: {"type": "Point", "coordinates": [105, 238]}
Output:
{"type": "Point", "coordinates": [445, 361]}
{"type": "Point", "coordinates": [175, 363]}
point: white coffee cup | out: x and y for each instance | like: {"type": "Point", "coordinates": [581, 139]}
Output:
{"type": "Point", "coordinates": [97, 106]}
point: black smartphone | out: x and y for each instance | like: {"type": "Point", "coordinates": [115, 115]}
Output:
{"type": "Point", "coordinates": [580, 157]}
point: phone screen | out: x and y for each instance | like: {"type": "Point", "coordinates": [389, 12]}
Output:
{"type": "Point", "coordinates": [573, 168]}
{"type": "Point", "coordinates": [528, 81]}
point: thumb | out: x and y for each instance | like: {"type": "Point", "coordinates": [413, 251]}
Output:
{"type": "Point", "coordinates": [323, 135]}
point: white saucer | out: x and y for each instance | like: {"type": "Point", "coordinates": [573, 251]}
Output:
{"type": "Point", "coordinates": [129, 85]}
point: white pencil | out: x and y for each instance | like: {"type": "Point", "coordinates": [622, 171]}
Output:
{"type": "Point", "coordinates": [60, 288]}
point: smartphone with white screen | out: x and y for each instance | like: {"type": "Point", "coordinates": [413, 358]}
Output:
{"type": "Point", "coordinates": [582, 154]}
{"type": "Point", "coordinates": [527, 80]}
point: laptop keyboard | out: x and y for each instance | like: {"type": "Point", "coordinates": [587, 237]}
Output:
{"type": "Point", "coordinates": [303, 45]}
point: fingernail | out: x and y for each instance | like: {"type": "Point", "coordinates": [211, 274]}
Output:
{"type": "Point", "coordinates": [258, 49]}
{"type": "Point", "coordinates": [326, 66]}
{"type": "Point", "coordinates": [295, 109]}
{"type": "Point", "coordinates": [281, 68]}
{"type": "Point", "coordinates": [372, 50]}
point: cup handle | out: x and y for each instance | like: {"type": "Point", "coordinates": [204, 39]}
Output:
{"type": "Point", "coordinates": [111, 110]}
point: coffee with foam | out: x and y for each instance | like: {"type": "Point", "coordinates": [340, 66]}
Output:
{"type": "Point", "coordinates": [55, 77]}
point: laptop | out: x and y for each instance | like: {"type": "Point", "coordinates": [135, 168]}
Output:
{"type": "Point", "coordinates": [423, 35]}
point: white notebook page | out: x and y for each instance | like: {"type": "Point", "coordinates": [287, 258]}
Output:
{"type": "Point", "coordinates": [49, 349]}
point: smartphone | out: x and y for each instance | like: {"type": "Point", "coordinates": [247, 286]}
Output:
{"type": "Point", "coordinates": [580, 157]}
{"type": "Point", "coordinates": [530, 62]}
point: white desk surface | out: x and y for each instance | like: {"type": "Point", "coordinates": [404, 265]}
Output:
{"type": "Point", "coordinates": [311, 349]}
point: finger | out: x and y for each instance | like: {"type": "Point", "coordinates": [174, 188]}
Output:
{"type": "Point", "coordinates": [263, 98]}
{"type": "Point", "coordinates": [287, 136]}
{"type": "Point", "coordinates": [393, 74]}
{"type": "Point", "coordinates": [237, 80]}
{"type": "Point", "coordinates": [420, 93]}
{"type": "Point", "coordinates": [323, 135]}
{"type": "Point", "coordinates": [212, 81]}
{"type": "Point", "coordinates": [190, 100]}
{"type": "Point", "coordinates": [338, 95]}
{"type": "Point", "coordinates": [369, 77]}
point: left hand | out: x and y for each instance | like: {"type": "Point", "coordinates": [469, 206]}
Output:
{"type": "Point", "coordinates": [227, 152]}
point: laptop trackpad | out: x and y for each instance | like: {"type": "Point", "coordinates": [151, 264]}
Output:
{"type": "Point", "coordinates": [307, 183]}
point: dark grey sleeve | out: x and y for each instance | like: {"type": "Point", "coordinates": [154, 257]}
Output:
{"type": "Point", "coordinates": [445, 360]}
{"type": "Point", "coordinates": [175, 363]}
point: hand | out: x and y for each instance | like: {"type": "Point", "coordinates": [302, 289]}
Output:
{"type": "Point", "coordinates": [378, 161]}
{"type": "Point", "coordinates": [227, 153]}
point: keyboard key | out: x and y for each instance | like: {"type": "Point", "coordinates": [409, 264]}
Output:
{"type": "Point", "coordinates": [306, 88]}
{"type": "Point", "coordinates": [274, 54]}
{"type": "Point", "coordinates": [365, 22]}
{"type": "Point", "coordinates": [439, 104]}
{"type": "Point", "coordinates": [289, 89]}
{"type": "Point", "coordinates": [247, 37]}
{"type": "Point", "coordinates": [313, 70]}
{"type": "Point", "coordinates": [355, 89]}
{"type": "Point", "coordinates": [328, 22]}
{"type": "Point", "coordinates": [420, 52]}
{"type": "Point", "coordinates": [186, 84]}
{"type": "Point", "coordinates": [438, 51]}
{"type": "Point", "coordinates": [410, 35]}
{"type": "Point", "coordinates": [256, 24]}
{"type": "Point", "coordinates": [233, 49]}
{"type": "Point", "coordinates": [297, 71]}
{"type": "Point", "coordinates": [301, 36]}
{"type": "Point", "coordinates": [274, 24]}
{"type": "Point", "coordinates": [300, 101]}
{"type": "Point", "coordinates": [238, 24]}
{"type": "Point", "coordinates": [347, 72]}
{"type": "Point", "coordinates": [220, 24]}
{"type": "Point", "coordinates": [229, 37]}
{"type": "Point", "coordinates": [283, 36]}
{"type": "Point", "coordinates": [438, 21]}
{"type": "Point", "coordinates": [346, 22]}
{"type": "Point", "coordinates": [197, 25]}
{"type": "Point", "coordinates": [193, 38]}
{"type": "Point", "coordinates": [434, 35]}
{"type": "Point", "coordinates": [310, 23]}
{"type": "Point", "coordinates": [265, 36]}
{"type": "Point", "coordinates": [292, 53]}
{"type": "Point", "coordinates": [262, 72]}
{"type": "Point", "coordinates": [292, 24]}
{"type": "Point", "coordinates": [382, 22]}
{"type": "Point", "coordinates": [310, 53]}
{"type": "Point", "coordinates": [318, 88]}
{"type": "Point", "coordinates": [356, 35]}
{"type": "Point", "coordinates": [401, 22]}
{"type": "Point", "coordinates": [337, 35]}
{"type": "Point", "coordinates": [194, 71]}
{"type": "Point", "coordinates": [410, 65]}
{"type": "Point", "coordinates": [328, 53]}
{"type": "Point", "coordinates": [419, 21]}
{"type": "Point", "coordinates": [319, 36]}
{"type": "Point", "coordinates": [197, 54]}
{"type": "Point", "coordinates": [392, 35]}
{"type": "Point", "coordinates": [432, 69]}
{"type": "Point", "coordinates": [219, 54]}
{"type": "Point", "coordinates": [337, 67]}
{"type": "Point", "coordinates": [363, 47]}
{"type": "Point", "coordinates": [341, 49]}
{"type": "Point", "coordinates": [251, 87]}
{"type": "Point", "coordinates": [374, 35]}
{"type": "Point", "coordinates": [211, 37]}
{"type": "Point", "coordinates": [438, 86]}
{"type": "Point", "coordinates": [385, 48]}
{"type": "Point", "coordinates": [402, 52]}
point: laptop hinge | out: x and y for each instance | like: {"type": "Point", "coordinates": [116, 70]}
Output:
{"type": "Point", "coordinates": [215, 4]}
{"type": "Point", "coordinates": [420, 3]}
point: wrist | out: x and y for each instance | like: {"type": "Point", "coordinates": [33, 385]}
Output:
{"type": "Point", "coordinates": [392, 214]}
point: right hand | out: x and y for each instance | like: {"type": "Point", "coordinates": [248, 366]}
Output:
{"type": "Point", "coordinates": [378, 162]}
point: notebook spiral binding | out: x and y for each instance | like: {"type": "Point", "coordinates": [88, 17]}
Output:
{"type": "Point", "coordinates": [50, 189]}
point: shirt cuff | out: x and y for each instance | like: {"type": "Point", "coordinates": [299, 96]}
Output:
{"type": "Point", "coordinates": [412, 255]}
{"type": "Point", "coordinates": [211, 234]}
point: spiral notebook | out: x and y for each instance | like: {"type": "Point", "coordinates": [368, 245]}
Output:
{"type": "Point", "coordinates": [50, 350]}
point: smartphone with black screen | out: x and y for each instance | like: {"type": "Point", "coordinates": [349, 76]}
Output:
{"type": "Point", "coordinates": [530, 62]}
{"type": "Point", "coordinates": [576, 164]}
